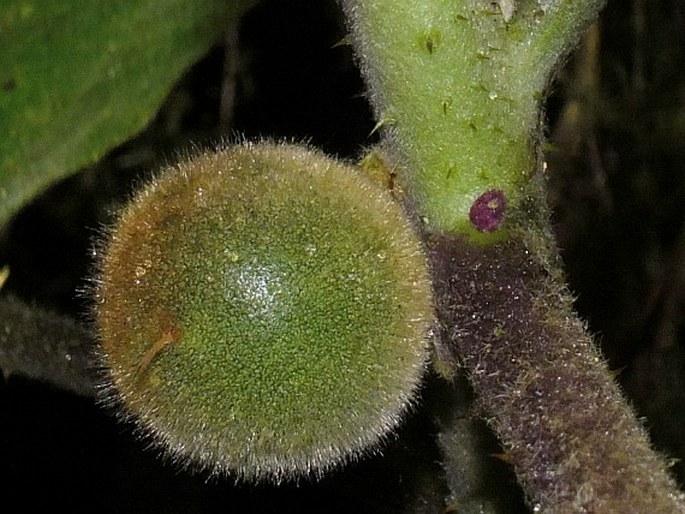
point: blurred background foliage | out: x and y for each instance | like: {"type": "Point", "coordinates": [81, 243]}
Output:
{"type": "Point", "coordinates": [77, 78]}
{"type": "Point", "coordinates": [617, 185]}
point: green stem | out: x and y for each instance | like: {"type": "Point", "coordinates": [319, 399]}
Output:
{"type": "Point", "coordinates": [457, 87]}
{"type": "Point", "coordinates": [551, 32]}
{"type": "Point", "coordinates": [457, 91]}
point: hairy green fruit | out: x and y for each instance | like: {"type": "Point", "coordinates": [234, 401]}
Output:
{"type": "Point", "coordinates": [263, 311]}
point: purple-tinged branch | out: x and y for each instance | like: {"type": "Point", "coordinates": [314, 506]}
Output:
{"type": "Point", "coordinates": [575, 444]}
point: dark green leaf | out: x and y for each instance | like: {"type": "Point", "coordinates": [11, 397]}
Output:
{"type": "Point", "coordinates": [78, 77]}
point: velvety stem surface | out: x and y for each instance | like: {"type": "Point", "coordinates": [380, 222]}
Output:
{"type": "Point", "coordinates": [457, 87]}
{"type": "Point", "coordinates": [46, 347]}
{"type": "Point", "coordinates": [575, 444]}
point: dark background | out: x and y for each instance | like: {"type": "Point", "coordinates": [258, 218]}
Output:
{"type": "Point", "coordinates": [616, 183]}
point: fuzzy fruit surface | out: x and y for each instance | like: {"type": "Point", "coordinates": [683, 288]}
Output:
{"type": "Point", "coordinates": [263, 311]}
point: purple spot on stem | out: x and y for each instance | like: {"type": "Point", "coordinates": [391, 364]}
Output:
{"type": "Point", "coordinates": [487, 212]}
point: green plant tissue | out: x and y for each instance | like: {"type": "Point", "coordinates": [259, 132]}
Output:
{"type": "Point", "coordinates": [78, 77]}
